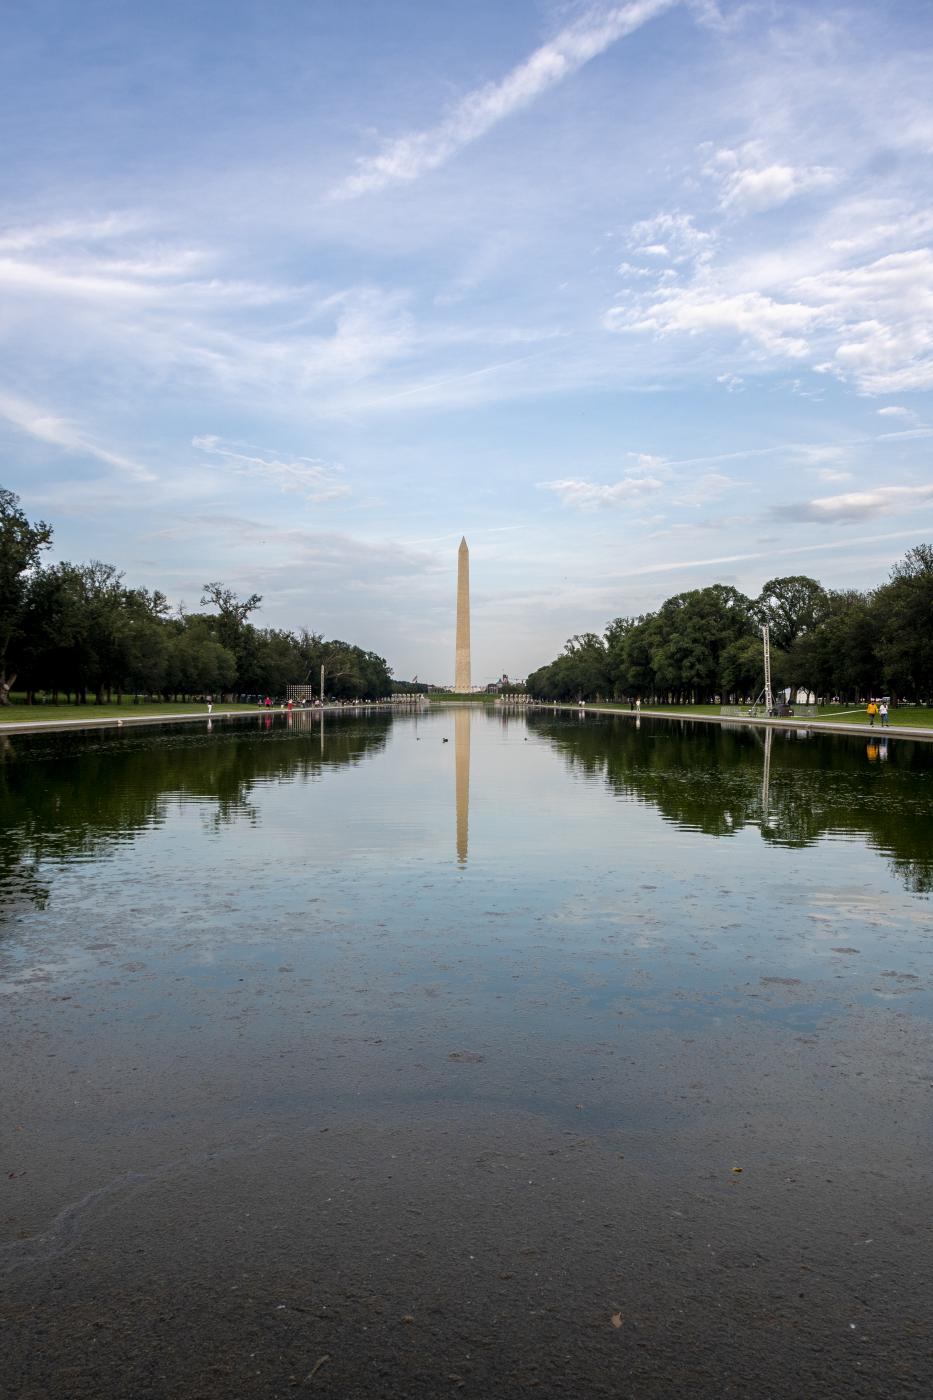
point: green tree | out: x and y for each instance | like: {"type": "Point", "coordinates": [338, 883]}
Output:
{"type": "Point", "coordinates": [232, 611]}
{"type": "Point", "coordinates": [231, 627]}
{"type": "Point", "coordinates": [840, 655]}
{"type": "Point", "coordinates": [21, 545]}
{"type": "Point", "coordinates": [586, 669]}
{"type": "Point", "coordinates": [51, 617]}
{"type": "Point", "coordinates": [104, 616]}
{"type": "Point", "coordinates": [904, 607]}
{"type": "Point", "coordinates": [695, 632]}
{"type": "Point", "coordinates": [145, 642]}
{"type": "Point", "coordinates": [617, 639]}
{"type": "Point", "coordinates": [197, 664]}
{"type": "Point", "coordinates": [637, 650]}
{"type": "Point", "coordinates": [791, 606]}
{"type": "Point", "coordinates": [743, 667]}
{"type": "Point", "coordinates": [277, 661]}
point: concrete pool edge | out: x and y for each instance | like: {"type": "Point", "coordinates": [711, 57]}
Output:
{"type": "Point", "coordinates": [815, 725]}
{"type": "Point", "coordinates": [119, 722]}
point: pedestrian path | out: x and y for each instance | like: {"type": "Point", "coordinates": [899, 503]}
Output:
{"type": "Point", "coordinates": [125, 721]}
{"type": "Point", "coordinates": [900, 731]}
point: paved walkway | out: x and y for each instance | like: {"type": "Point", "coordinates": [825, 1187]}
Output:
{"type": "Point", "coordinates": [893, 731]}
{"type": "Point", "coordinates": [817, 725]}
{"type": "Point", "coordinates": [122, 722]}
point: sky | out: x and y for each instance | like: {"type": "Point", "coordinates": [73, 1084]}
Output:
{"type": "Point", "coordinates": [638, 297]}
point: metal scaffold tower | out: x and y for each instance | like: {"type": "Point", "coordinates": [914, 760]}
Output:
{"type": "Point", "coordinates": [766, 638]}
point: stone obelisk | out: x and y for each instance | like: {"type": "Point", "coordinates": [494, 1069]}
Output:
{"type": "Point", "coordinates": [462, 675]}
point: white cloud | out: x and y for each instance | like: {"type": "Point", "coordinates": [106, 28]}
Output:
{"type": "Point", "coordinates": [815, 452]}
{"type": "Point", "coordinates": [858, 505]}
{"type": "Point", "coordinates": [673, 236]}
{"type": "Point", "coordinates": [711, 486]}
{"type": "Point", "coordinates": [885, 358]}
{"type": "Point", "coordinates": [760, 320]}
{"type": "Point", "coordinates": [831, 474]}
{"type": "Point", "coordinates": [157, 278]}
{"type": "Point", "coordinates": [871, 323]}
{"type": "Point", "coordinates": [408, 157]}
{"type": "Point", "coordinates": [647, 464]}
{"type": "Point", "coordinates": [46, 427]}
{"type": "Point", "coordinates": [887, 281]}
{"type": "Point", "coordinates": [592, 495]}
{"type": "Point", "coordinates": [318, 481]}
{"type": "Point", "coordinates": [894, 411]}
{"type": "Point", "coordinates": [35, 278]}
{"type": "Point", "coordinates": [772, 552]}
{"type": "Point", "coordinates": [868, 224]}
{"type": "Point", "coordinates": [748, 188]}
{"type": "Point", "coordinates": [881, 314]}
{"type": "Point", "coordinates": [905, 434]}
{"type": "Point", "coordinates": [110, 226]}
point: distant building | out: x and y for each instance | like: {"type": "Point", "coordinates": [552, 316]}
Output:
{"type": "Point", "coordinates": [503, 684]}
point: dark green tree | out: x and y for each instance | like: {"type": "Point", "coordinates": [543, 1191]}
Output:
{"type": "Point", "coordinates": [904, 608]}
{"type": "Point", "coordinates": [695, 633]}
{"type": "Point", "coordinates": [791, 606]}
{"type": "Point", "coordinates": [21, 546]}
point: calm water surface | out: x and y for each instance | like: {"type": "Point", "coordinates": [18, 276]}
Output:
{"type": "Point", "coordinates": [695, 947]}
{"type": "Point", "coordinates": [646, 870]}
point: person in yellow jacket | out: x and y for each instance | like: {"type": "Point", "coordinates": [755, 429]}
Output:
{"type": "Point", "coordinates": [872, 713]}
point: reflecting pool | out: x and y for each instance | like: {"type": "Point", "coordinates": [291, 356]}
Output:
{"type": "Point", "coordinates": [433, 1043]}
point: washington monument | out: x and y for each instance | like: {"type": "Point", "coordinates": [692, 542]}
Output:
{"type": "Point", "coordinates": [462, 676]}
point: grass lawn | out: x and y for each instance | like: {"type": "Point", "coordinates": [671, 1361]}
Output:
{"type": "Point", "coordinates": [39, 714]}
{"type": "Point", "coordinates": [911, 716]}
{"type": "Point", "coordinates": [684, 710]}
{"type": "Point", "coordinates": [680, 709]}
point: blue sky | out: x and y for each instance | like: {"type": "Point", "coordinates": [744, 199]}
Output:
{"type": "Point", "coordinates": [637, 296]}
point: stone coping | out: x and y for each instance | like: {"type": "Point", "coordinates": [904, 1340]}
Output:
{"type": "Point", "coordinates": [121, 722]}
{"type": "Point", "coordinates": [762, 722]}
{"type": "Point", "coordinates": [819, 726]}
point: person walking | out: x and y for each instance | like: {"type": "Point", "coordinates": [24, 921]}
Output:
{"type": "Point", "coordinates": [872, 712]}
{"type": "Point", "coordinates": [883, 712]}
{"type": "Point", "coordinates": [210, 704]}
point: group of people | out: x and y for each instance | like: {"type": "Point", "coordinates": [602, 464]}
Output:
{"type": "Point", "coordinates": [878, 710]}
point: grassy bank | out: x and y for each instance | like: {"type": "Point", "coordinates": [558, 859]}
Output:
{"type": "Point", "coordinates": [911, 715]}
{"type": "Point", "coordinates": [52, 714]}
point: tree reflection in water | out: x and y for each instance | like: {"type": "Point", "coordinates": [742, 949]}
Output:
{"type": "Point", "coordinates": [71, 795]}
{"type": "Point", "coordinates": [797, 789]}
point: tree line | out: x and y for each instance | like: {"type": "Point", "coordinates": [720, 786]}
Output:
{"type": "Point", "coordinates": [78, 631]}
{"type": "Point", "coordinates": [705, 645]}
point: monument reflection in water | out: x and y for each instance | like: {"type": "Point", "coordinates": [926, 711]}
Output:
{"type": "Point", "coordinates": [462, 721]}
